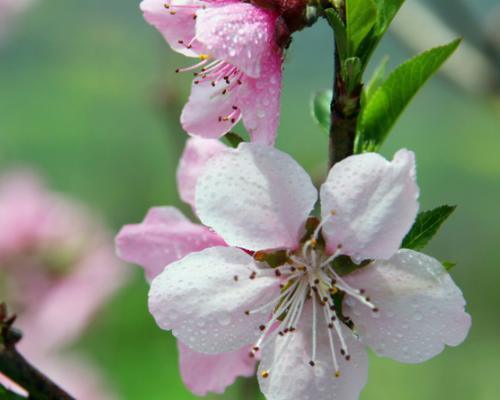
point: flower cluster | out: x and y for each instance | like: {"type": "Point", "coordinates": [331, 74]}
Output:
{"type": "Point", "coordinates": [272, 275]}
{"type": "Point", "coordinates": [266, 282]}
{"type": "Point", "coordinates": [57, 268]}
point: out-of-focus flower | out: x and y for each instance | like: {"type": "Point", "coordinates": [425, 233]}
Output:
{"type": "Point", "coordinates": [57, 269]}
{"type": "Point", "coordinates": [166, 236]}
{"type": "Point", "coordinates": [239, 68]}
{"type": "Point", "coordinates": [9, 9]}
{"type": "Point", "coordinates": [288, 294]}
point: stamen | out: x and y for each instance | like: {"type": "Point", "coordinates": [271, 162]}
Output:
{"type": "Point", "coordinates": [314, 334]}
{"type": "Point", "coordinates": [357, 294]}
{"type": "Point", "coordinates": [273, 302]}
{"type": "Point", "coordinates": [330, 259]}
{"type": "Point", "coordinates": [191, 68]}
{"type": "Point", "coordinates": [307, 275]}
{"type": "Point", "coordinates": [332, 345]}
{"type": "Point", "coordinates": [336, 323]}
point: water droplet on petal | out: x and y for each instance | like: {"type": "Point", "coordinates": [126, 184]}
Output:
{"type": "Point", "coordinates": [224, 319]}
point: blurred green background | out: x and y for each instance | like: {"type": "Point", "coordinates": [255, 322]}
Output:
{"type": "Point", "coordinates": [82, 98]}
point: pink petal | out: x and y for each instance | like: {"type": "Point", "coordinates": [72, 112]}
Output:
{"type": "Point", "coordinates": [255, 197]}
{"type": "Point", "coordinates": [24, 205]}
{"type": "Point", "coordinates": [203, 373]}
{"type": "Point", "coordinates": [164, 215]}
{"type": "Point", "coordinates": [421, 308]}
{"type": "Point", "coordinates": [209, 113]}
{"type": "Point", "coordinates": [260, 101]}
{"type": "Point", "coordinates": [374, 201]}
{"type": "Point", "coordinates": [239, 33]}
{"type": "Point", "coordinates": [292, 378]}
{"type": "Point", "coordinates": [196, 154]}
{"type": "Point", "coordinates": [203, 298]}
{"type": "Point", "coordinates": [165, 236]}
{"type": "Point", "coordinates": [60, 317]}
{"type": "Point", "coordinates": [180, 26]}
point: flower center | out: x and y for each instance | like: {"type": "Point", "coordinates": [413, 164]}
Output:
{"type": "Point", "coordinates": [218, 71]}
{"type": "Point", "coordinates": [208, 68]}
{"type": "Point", "coordinates": [308, 276]}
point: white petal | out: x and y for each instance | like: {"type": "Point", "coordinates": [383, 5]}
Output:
{"type": "Point", "coordinates": [292, 378]}
{"type": "Point", "coordinates": [255, 197]}
{"type": "Point", "coordinates": [204, 305]}
{"type": "Point", "coordinates": [374, 203]}
{"type": "Point", "coordinates": [420, 307]}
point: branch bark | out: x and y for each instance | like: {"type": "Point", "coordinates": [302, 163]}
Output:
{"type": "Point", "coordinates": [17, 368]}
{"type": "Point", "coordinates": [345, 109]}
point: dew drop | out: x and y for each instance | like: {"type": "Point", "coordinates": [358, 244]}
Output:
{"type": "Point", "coordinates": [224, 319]}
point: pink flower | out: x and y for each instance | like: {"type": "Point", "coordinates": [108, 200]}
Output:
{"type": "Point", "coordinates": [57, 269]}
{"type": "Point", "coordinates": [307, 318]}
{"type": "Point", "coordinates": [9, 10]}
{"type": "Point", "coordinates": [166, 236]}
{"type": "Point", "coordinates": [239, 70]}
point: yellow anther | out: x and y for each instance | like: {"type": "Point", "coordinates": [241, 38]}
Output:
{"type": "Point", "coordinates": [265, 374]}
{"type": "Point", "coordinates": [313, 243]}
{"type": "Point", "coordinates": [333, 212]}
{"type": "Point", "coordinates": [337, 374]}
{"type": "Point", "coordinates": [260, 256]}
{"type": "Point", "coordinates": [333, 290]}
{"type": "Point", "coordinates": [204, 57]}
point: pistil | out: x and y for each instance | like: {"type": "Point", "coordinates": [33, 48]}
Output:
{"type": "Point", "coordinates": [307, 275]}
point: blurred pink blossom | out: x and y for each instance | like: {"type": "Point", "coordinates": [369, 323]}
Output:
{"type": "Point", "coordinates": [9, 9]}
{"type": "Point", "coordinates": [57, 269]}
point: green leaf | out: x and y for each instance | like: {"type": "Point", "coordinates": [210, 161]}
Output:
{"type": "Point", "coordinates": [233, 139]}
{"type": "Point", "coordinates": [339, 30]}
{"type": "Point", "coordinates": [386, 11]}
{"type": "Point", "coordinates": [426, 226]}
{"type": "Point", "coordinates": [376, 80]}
{"type": "Point", "coordinates": [391, 98]}
{"type": "Point", "coordinates": [448, 265]}
{"type": "Point", "coordinates": [361, 16]}
{"type": "Point", "coordinates": [320, 109]}
{"type": "Point", "coordinates": [343, 265]}
{"type": "Point", "coordinates": [352, 71]}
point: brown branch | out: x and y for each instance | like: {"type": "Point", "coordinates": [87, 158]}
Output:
{"type": "Point", "coordinates": [345, 109]}
{"type": "Point", "coordinates": [18, 369]}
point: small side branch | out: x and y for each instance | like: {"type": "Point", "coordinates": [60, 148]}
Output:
{"type": "Point", "coordinates": [18, 369]}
